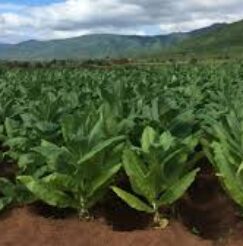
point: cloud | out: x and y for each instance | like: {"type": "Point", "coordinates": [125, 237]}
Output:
{"type": "Point", "coordinates": [77, 17]}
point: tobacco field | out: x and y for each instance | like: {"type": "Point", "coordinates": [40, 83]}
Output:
{"type": "Point", "coordinates": [73, 139]}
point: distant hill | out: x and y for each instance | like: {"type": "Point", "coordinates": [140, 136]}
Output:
{"type": "Point", "coordinates": [223, 39]}
{"type": "Point", "coordinates": [217, 38]}
{"type": "Point", "coordinates": [95, 46]}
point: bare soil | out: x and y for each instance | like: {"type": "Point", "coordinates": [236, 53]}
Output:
{"type": "Point", "coordinates": [117, 225]}
{"type": "Point", "coordinates": [21, 227]}
{"type": "Point", "coordinates": [207, 209]}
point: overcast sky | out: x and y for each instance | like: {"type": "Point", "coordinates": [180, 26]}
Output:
{"type": "Point", "coordinates": [55, 19]}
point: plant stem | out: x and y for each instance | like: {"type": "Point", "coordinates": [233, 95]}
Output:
{"type": "Point", "coordinates": [156, 219]}
{"type": "Point", "coordinates": [159, 222]}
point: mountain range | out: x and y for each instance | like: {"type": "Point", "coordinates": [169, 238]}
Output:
{"type": "Point", "coordinates": [220, 39]}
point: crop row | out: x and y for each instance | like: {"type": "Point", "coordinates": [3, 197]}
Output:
{"type": "Point", "coordinates": [74, 134]}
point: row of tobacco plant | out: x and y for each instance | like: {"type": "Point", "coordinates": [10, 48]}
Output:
{"type": "Point", "coordinates": [73, 134]}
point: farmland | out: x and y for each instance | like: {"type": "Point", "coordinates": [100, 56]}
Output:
{"type": "Point", "coordinates": [164, 143]}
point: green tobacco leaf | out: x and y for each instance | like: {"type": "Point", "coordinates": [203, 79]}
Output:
{"type": "Point", "coordinates": [136, 172]}
{"type": "Point", "coordinates": [4, 202]}
{"type": "Point", "coordinates": [10, 126]}
{"type": "Point", "coordinates": [227, 174]}
{"type": "Point", "coordinates": [47, 193]}
{"type": "Point", "coordinates": [7, 188]}
{"type": "Point", "coordinates": [166, 140]}
{"type": "Point", "coordinates": [99, 148]}
{"type": "Point", "coordinates": [148, 138]}
{"type": "Point", "coordinates": [70, 126]}
{"type": "Point", "coordinates": [155, 109]}
{"type": "Point", "coordinates": [17, 142]}
{"type": "Point", "coordinates": [178, 189]}
{"type": "Point", "coordinates": [133, 165]}
{"type": "Point", "coordinates": [132, 200]}
{"type": "Point", "coordinates": [46, 127]}
{"type": "Point", "coordinates": [172, 155]}
{"type": "Point", "coordinates": [54, 154]}
{"type": "Point", "coordinates": [96, 132]}
{"type": "Point", "coordinates": [48, 149]}
{"type": "Point", "coordinates": [30, 160]}
{"type": "Point", "coordinates": [102, 179]}
{"type": "Point", "coordinates": [8, 192]}
{"type": "Point", "coordinates": [61, 182]}
{"type": "Point", "coordinates": [240, 169]}
{"type": "Point", "coordinates": [191, 142]}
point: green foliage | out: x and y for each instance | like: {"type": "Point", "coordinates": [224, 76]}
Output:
{"type": "Point", "coordinates": [71, 131]}
{"type": "Point", "coordinates": [158, 171]}
{"type": "Point", "coordinates": [13, 194]}
{"type": "Point", "coordinates": [225, 151]}
{"type": "Point", "coordinates": [79, 172]}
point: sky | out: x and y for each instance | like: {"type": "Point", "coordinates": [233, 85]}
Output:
{"type": "Point", "coordinates": [58, 19]}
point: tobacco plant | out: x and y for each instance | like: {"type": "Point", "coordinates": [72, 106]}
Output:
{"type": "Point", "coordinates": [224, 148]}
{"type": "Point", "coordinates": [158, 172]}
{"type": "Point", "coordinates": [79, 171]}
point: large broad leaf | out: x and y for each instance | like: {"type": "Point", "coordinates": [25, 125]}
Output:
{"type": "Point", "coordinates": [228, 175]}
{"type": "Point", "coordinates": [98, 186]}
{"type": "Point", "coordinates": [46, 127]}
{"type": "Point", "coordinates": [96, 132]}
{"type": "Point", "coordinates": [30, 161]}
{"type": "Point", "coordinates": [99, 148]}
{"type": "Point", "coordinates": [148, 138]}
{"type": "Point", "coordinates": [132, 200]}
{"type": "Point", "coordinates": [225, 138]}
{"type": "Point", "coordinates": [173, 157]}
{"type": "Point", "coordinates": [70, 126]}
{"type": "Point", "coordinates": [137, 171]}
{"type": "Point", "coordinates": [102, 180]}
{"type": "Point", "coordinates": [61, 182]}
{"type": "Point", "coordinates": [155, 181]}
{"type": "Point", "coordinates": [178, 189]}
{"type": "Point", "coordinates": [47, 193]}
{"type": "Point", "coordinates": [17, 142]}
{"type": "Point", "coordinates": [48, 150]}
{"type": "Point", "coordinates": [54, 154]}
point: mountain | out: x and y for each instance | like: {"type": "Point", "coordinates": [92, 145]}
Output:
{"type": "Point", "coordinates": [217, 38]}
{"type": "Point", "coordinates": [91, 46]}
{"type": "Point", "coordinates": [222, 39]}
{"type": "Point", "coordinates": [4, 48]}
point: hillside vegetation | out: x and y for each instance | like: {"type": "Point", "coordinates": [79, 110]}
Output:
{"type": "Point", "coordinates": [219, 39]}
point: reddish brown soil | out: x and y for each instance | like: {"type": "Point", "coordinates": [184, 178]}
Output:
{"type": "Point", "coordinates": [207, 210]}
{"type": "Point", "coordinates": [22, 227]}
